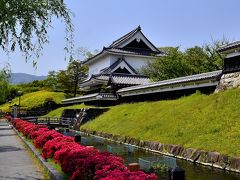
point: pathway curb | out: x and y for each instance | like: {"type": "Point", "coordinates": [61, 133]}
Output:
{"type": "Point", "coordinates": [53, 173]}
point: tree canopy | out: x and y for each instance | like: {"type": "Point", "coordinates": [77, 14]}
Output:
{"type": "Point", "coordinates": [177, 63]}
{"type": "Point", "coordinates": [4, 83]}
{"type": "Point", "coordinates": [25, 23]}
{"type": "Point", "coordinates": [67, 80]}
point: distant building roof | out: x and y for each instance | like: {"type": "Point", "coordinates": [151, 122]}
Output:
{"type": "Point", "coordinates": [229, 46]}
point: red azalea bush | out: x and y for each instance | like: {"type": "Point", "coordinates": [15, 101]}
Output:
{"type": "Point", "coordinates": [46, 136]}
{"type": "Point", "coordinates": [80, 162]}
{"type": "Point", "coordinates": [29, 130]}
{"type": "Point", "coordinates": [8, 117]}
{"type": "Point", "coordinates": [80, 159]}
{"type": "Point", "coordinates": [122, 175]}
{"type": "Point", "coordinates": [54, 145]}
{"type": "Point", "coordinates": [35, 134]}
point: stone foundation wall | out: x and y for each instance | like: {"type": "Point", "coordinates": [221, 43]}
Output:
{"type": "Point", "coordinates": [213, 159]}
{"type": "Point", "coordinates": [228, 81]}
{"type": "Point", "coordinates": [83, 115]}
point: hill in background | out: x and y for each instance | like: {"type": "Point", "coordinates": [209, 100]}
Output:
{"type": "Point", "coordinates": [17, 78]}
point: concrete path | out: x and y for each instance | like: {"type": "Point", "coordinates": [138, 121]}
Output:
{"type": "Point", "coordinates": [15, 161]}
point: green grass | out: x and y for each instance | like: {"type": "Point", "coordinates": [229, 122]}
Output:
{"type": "Point", "coordinates": [35, 99]}
{"type": "Point", "coordinates": [58, 168]}
{"type": "Point", "coordinates": [198, 121]}
{"type": "Point", "coordinates": [58, 112]}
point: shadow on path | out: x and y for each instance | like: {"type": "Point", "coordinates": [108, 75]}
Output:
{"type": "Point", "coordinates": [9, 148]}
{"type": "Point", "coordinates": [7, 128]}
{"type": "Point", "coordinates": [3, 124]}
{"type": "Point", "coordinates": [18, 178]}
{"type": "Point", "coordinates": [4, 135]}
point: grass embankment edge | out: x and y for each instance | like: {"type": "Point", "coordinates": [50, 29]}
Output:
{"type": "Point", "coordinates": [207, 122]}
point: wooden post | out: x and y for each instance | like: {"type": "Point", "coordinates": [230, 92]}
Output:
{"type": "Point", "coordinates": [133, 167]}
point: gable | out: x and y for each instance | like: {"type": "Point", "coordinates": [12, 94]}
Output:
{"type": "Point", "coordinates": [120, 66]}
{"type": "Point", "coordinates": [137, 45]}
{"type": "Point", "coordinates": [122, 71]}
{"type": "Point", "coordinates": [138, 40]}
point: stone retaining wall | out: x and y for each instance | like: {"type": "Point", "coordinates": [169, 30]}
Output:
{"type": "Point", "coordinates": [228, 81]}
{"type": "Point", "coordinates": [213, 159]}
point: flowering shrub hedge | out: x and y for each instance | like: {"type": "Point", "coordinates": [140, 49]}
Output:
{"type": "Point", "coordinates": [8, 117]}
{"type": "Point", "coordinates": [80, 162]}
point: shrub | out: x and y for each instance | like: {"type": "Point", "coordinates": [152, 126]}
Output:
{"type": "Point", "coordinates": [80, 162]}
{"type": "Point", "coordinates": [46, 136]}
{"type": "Point", "coordinates": [50, 147]}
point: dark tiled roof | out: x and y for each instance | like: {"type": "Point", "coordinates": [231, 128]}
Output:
{"type": "Point", "coordinates": [125, 79]}
{"type": "Point", "coordinates": [196, 77]}
{"type": "Point", "coordinates": [229, 46]}
{"type": "Point", "coordinates": [104, 77]}
{"type": "Point", "coordinates": [126, 36]}
{"type": "Point", "coordinates": [100, 78]}
{"type": "Point", "coordinates": [124, 51]}
{"type": "Point", "coordinates": [118, 78]}
{"type": "Point", "coordinates": [113, 48]}
{"type": "Point", "coordinates": [91, 97]}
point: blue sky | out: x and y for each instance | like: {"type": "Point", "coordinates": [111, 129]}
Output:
{"type": "Point", "coordinates": [184, 23]}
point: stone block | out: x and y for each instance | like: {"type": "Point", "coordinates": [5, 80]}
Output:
{"type": "Point", "coordinates": [153, 145]}
{"type": "Point", "coordinates": [160, 147]}
{"type": "Point", "coordinates": [187, 153]}
{"type": "Point", "coordinates": [176, 150]}
{"type": "Point", "coordinates": [223, 161]}
{"type": "Point", "coordinates": [141, 143]}
{"type": "Point", "coordinates": [235, 163]}
{"type": "Point", "coordinates": [196, 154]}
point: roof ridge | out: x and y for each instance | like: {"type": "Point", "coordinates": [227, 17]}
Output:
{"type": "Point", "coordinates": [132, 75]}
{"type": "Point", "coordinates": [174, 80]}
{"type": "Point", "coordinates": [125, 36]}
{"type": "Point", "coordinates": [229, 45]}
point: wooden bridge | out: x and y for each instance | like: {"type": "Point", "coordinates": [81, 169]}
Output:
{"type": "Point", "coordinates": [51, 121]}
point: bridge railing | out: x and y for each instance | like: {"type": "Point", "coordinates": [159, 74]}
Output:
{"type": "Point", "coordinates": [51, 121]}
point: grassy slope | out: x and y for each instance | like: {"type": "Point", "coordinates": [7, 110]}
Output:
{"type": "Point", "coordinates": [58, 112]}
{"type": "Point", "coordinates": [35, 99]}
{"type": "Point", "coordinates": [197, 121]}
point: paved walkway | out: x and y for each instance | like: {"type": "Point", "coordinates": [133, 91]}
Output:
{"type": "Point", "coordinates": [15, 161]}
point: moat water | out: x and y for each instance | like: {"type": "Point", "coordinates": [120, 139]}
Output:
{"type": "Point", "coordinates": [193, 171]}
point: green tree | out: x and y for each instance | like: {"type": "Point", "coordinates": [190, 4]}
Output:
{"type": "Point", "coordinates": [51, 81]}
{"type": "Point", "coordinates": [4, 84]}
{"type": "Point", "coordinates": [178, 63]}
{"type": "Point", "coordinates": [172, 65]}
{"type": "Point", "coordinates": [25, 23]}
{"type": "Point", "coordinates": [76, 73]}
{"type": "Point", "coordinates": [68, 80]}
